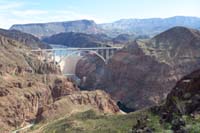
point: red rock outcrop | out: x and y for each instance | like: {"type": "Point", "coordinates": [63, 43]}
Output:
{"type": "Point", "coordinates": [80, 101]}
{"type": "Point", "coordinates": [99, 99]}
{"type": "Point", "coordinates": [62, 87]}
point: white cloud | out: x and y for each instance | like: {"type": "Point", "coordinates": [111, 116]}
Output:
{"type": "Point", "coordinates": [65, 15]}
{"type": "Point", "coordinates": [15, 12]}
{"type": "Point", "coordinates": [10, 5]}
{"type": "Point", "coordinates": [25, 13]}
{"type": "Point", "coordinates": [41, 16]}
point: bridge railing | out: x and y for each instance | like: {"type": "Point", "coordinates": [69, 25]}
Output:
{"type": "Point", "coordinates": [75, 49]}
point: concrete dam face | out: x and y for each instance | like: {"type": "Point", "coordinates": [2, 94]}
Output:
{"type": "Point", "coordinates": [68, 64]}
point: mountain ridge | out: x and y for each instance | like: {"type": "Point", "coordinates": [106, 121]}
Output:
{"type": "Point", "coordinates": [152, 26]}
{"type": "Point", "coordinates": [47, 29]}
{"type": "Point", "coordinates": [25, 38]}
{"type": "Point", "coordinates": [72, 39]}
{"type": "Point", "coordinates": [147, 26]}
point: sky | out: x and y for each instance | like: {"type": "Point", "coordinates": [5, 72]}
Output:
{"type": "Point", "coordinates": [101, 11]}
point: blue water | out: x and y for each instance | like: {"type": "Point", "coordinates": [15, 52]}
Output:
{"type": "Point", "coordinates": [60, 53]}
{"type": "Point", "coordinates": [65, 53]}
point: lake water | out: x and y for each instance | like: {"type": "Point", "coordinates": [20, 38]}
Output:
{"type": "Point", "coordinates": [60, 53]}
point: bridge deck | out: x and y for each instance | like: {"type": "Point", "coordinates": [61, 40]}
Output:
{"type": "Point", "coordinates": [58, 56]}
{"type": "Point", "coordinates": [76, 49]}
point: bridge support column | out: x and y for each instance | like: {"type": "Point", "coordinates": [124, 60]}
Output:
{"type": "Point", "coordinates": [112, 52]}
{"type": "Point", "coordinates": [54, 57]}
{"type": "Point", "coordinates": [100, 52]}
{"type": "Point", "coordinates": [107, 54]}
{"type": "Point", "coordinates": [45, 56]}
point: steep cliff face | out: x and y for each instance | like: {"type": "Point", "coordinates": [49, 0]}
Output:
{"type": "Point", "coordinates": [29, 87]}
{"type": "Point", "coordinates": [142, 74]}
{"type": "Point", "coordinates": [136, 79]}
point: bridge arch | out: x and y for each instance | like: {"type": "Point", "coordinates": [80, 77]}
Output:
{"type": "Point", "coordinates": [71, 69]}
{"type": "Point", "coordinates": [79, 51]}
{"type": "Point", "coordinates": [58, 57]}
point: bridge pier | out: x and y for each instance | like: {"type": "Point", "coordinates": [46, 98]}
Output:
{"type": "Point", "coordinates": [100, 52]}
{"type": "Point", "coordinates": [112, 52]}
{"type": "Point", "coordinates": [54, 57]}
{"type": "Point", "coordinates": [107, 54]}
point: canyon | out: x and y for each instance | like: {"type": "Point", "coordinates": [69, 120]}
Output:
{"type": "Point", "coordinates": [150, 85]}
{"type": "Point", "coordinates": [143, 73]}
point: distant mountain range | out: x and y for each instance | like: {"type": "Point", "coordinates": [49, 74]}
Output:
{"type": "Point", "coordinates": [150, 27]}
{"type": "Point", "coordinates": [72, 39]}
{"type": "Point", "coordinates": [48, 29]}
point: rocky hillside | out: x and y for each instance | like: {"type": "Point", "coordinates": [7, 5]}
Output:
{"type": "Point", "coordinates": [184, 99]}
{"type": "Point", "coordinates": [142, 73]}
{"type": "Point", "coordinates": [26, 39]}
{"type": "Point", "coordinates": [182, 106]}
{"type": "Point", "coordinates": [79, 101]}
{"type": "Point", "coordinates": [48, 29]}
{"type": "Point", "coordinates": [123, 38]}
{"type": "Point", "coordinates": [181, 109]}
{"type": "Point", "coordinates": [71, 39]}
{"type": "Point", "coordinates": [31, 90]}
